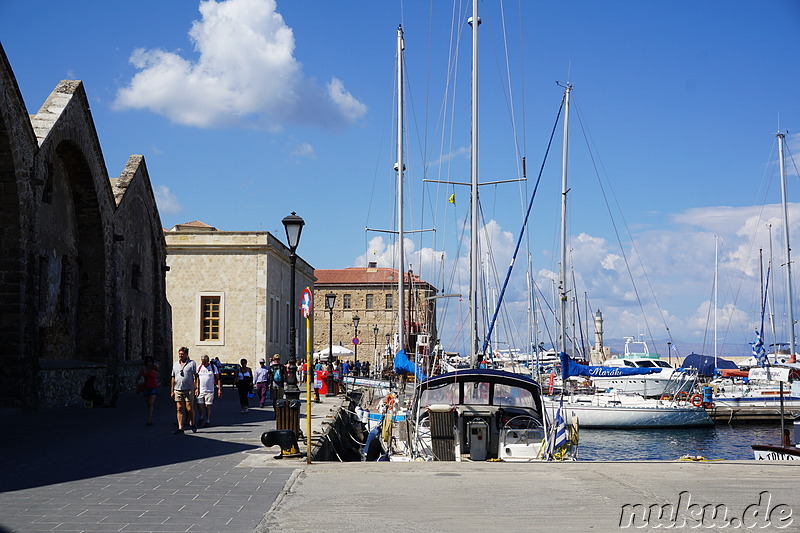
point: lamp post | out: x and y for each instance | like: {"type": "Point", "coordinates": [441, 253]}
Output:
{"type": "Point", "coordinates": [356, 320]}
{"type": "Point", "coordinates": [293, 225]}
{"type": "Point", "coordinates": [330, 300]}
{"type": "Point", "coordinates": [375, 348]}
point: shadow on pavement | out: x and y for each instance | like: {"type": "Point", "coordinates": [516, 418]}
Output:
{"type": "Point", "coordinates": [52, 446]}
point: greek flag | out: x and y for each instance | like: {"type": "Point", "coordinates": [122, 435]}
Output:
{"type": "Point", "coordinates": [560, 431]}
{"type": "Point", "coordinates": [758, 350]}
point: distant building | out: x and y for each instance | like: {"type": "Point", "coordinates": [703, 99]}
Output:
{"type": "Point", "coordinates": [82, 256]}
{"type": "Point", "coordinates": [229, 292]}
{"type": "Point", "coordinates": [371, 294]}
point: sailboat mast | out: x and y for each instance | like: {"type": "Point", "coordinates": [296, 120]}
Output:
{"type": "Point", "coordinates": [784, 202]}
{"type": "Point", "coordinates": [562, 277]}
{"type": "Point", "coordinates": [400, 167]}
{"type": "Point", "coordinates": [716, 288]}
{"type": "Point", "coordinates": [474, 21]}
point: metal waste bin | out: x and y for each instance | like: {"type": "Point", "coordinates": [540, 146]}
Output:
{"type": "Point", "coordinates": [287, 415]}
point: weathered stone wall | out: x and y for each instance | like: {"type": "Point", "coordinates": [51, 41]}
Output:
{"type": "Point", "coordinates": [66, 245]}
{"type": "Point", "coordinates": [250, 271]}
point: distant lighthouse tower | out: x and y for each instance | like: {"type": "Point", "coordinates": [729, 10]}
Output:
{"type": "Point", "coordinates": [599, 352]}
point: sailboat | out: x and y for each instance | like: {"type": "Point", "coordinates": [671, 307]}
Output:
{"type": "Point", "coordinates": [787, 450]}
{"type": "Point", "coordinates": [472, 414]}
{"type": "Point", "coordinates": [612, 408]}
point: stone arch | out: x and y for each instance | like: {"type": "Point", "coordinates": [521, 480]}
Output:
{"type": "Point", "coordinates": [81, 246]}
{"type": "Point", "coordinates": [17, 152]}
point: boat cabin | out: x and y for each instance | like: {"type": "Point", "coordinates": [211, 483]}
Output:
{"type": "Point", "coordinates": [478, 414]}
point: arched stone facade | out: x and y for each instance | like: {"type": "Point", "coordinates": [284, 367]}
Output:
{"type": "Point", "coordinates": [82, 256]}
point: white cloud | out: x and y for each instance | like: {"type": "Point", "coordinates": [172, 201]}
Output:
{"type": "Point", "coordinates": [167, 202]}
{"type": "Point", "coordinates": [303, 150]}
{"type": "Point", "coordinates": [246, 74]}
{"type": "Point", "coordinates": [673, 279]}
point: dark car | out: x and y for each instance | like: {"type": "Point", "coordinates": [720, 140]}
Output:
{"type": "Point", "coordinates": [227, 374]}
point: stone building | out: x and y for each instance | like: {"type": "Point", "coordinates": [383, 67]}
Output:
{"type": "Point", "coordinates": [82, 256]}
{"type": "Point", "coordinates": [230, 293]}
{"type": "Point", "coordinates": [371, 294]}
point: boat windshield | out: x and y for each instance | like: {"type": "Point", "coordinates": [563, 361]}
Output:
{"type": "Point", "coordinates": [663, 364]}
{"type": "Point", "coordinates": [648, 364]}
{"type": "Point", "coordinates": [509, 396]}
{"type": "Point", "coordinates": [446, 393]}
{"type": "Point", "coordinates": [478, 393]}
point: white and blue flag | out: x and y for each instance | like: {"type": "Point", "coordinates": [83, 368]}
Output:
{"type": "Point", "coordinates": [758, 350]}
{"type": "Point", "coordinates": [559, 431]}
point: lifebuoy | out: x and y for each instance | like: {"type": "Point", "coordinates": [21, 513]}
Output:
{"type": "Point", "coordinates": [390, 402]}
{"type": "Point", "coordinates": [696, 400]}
{"type": "Point", "coordinates": [682, 396]}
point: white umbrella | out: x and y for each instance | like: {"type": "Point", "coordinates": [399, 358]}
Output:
{"type": "Point", "coordinates": [338, 351]}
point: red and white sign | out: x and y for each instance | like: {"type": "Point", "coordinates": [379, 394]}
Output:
{"type": "Point", "coordinates": [306, 303]}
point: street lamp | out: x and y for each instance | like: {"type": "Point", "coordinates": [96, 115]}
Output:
{"type": "Point", "coordinates": [375, 348]}
{"type": "Point", "coordinates": [330, 300]}
{"type": "Point", "coordinates": [356, 320]}
{"type": "Point", "coordinates": [294, 227]}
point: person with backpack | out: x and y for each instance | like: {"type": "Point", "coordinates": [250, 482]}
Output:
{"type": "Point", "coordinates": [277, 379]}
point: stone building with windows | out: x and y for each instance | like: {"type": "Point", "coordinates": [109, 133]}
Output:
{"type": "Point", "coordinates": [230, 293]}
{"type": "Point", "coordinates": [82, 256]}
{"type": "Point", "coordinates": [371, 294]}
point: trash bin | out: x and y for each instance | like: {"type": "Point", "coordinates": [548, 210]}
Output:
{"type": "Point", "coordinates": [287, 415]}
{"type": "Point", "coordinates": [322, 376]}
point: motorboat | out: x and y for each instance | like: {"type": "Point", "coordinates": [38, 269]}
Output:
{"type": "Point", "coordinates": [637, 355]}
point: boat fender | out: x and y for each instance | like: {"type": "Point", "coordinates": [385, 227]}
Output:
{"type": "Point", "coordinates": [696, 400]}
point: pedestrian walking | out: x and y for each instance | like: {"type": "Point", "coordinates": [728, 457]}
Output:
{"type": "Point", "coordinates": [244, 384]}
{"type": "Point", "coordinates": [149, 386]}
{"type": "Point", "coordinates": [277, 379]}
{"type": "Point", "coordinates": [262, 381]}
{"type": "Point", "coordinates": [183, 389]}
{"type": "Point", "coordinates": [210, 386]}
{"type": "Point", "coordinates": [365, 369]}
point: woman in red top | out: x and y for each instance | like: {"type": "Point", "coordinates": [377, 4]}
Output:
{"type": "Point", "coordinates": [150, 386]}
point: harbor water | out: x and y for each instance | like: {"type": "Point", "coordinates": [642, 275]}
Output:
{"type": "Point", "coordinates": [716, 442]}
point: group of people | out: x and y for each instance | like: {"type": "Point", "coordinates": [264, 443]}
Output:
{"type": "Point", "coordinates": [356, 369]}
{"type": "Point", "coordinates": [190, 385]}
{"type": "Point", "coordinates": [194, 387]}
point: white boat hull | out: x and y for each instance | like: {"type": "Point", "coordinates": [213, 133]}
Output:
{"type": "Point", "coordinates": [653, 414]}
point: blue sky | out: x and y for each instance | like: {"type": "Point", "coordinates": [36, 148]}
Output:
{"type": "Point", "coordinates": [246, 110]}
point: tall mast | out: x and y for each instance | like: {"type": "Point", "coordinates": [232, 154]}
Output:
{"type": "Point", "coordinates": [474, 21]}
{"type": "Point", "coordinates": [716, 288]}
{"type": "Point", "coordinates": [562, 276]}
{"type": "Point", "coordinates": [400, 167]}
{"type": "Point", "coordinates": [784, 202]}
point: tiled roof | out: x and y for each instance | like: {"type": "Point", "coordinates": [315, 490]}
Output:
{"type": "Point", "coordinates": [361, 276]}
{"type": "Point", "coordinates": [195, 224]}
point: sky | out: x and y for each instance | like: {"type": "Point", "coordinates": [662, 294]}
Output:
{"type": "Point", "coordinates": [247, 110]}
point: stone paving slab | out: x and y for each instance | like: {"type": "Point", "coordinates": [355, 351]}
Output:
{"type": "Point", "coordinates": [75, 469]}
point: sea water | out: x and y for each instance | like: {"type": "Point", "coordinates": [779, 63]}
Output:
{"type": "Point", "coordinates": [716, 442]}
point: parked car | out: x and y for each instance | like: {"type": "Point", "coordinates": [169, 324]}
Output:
{"type": "Point", "coordinates": [227, 374]}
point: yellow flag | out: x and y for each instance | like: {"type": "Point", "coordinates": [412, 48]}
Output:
{"type": "Point", "coordinates": [452, 199]}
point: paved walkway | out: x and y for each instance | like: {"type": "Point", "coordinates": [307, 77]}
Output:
{"type": "Point", "coordinates": [75, 469]}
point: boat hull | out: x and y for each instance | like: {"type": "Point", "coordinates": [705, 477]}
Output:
{"type": "Point", "coordinates": [763, 452]}
{"type": "Point", "coordinates": [630, 417]}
